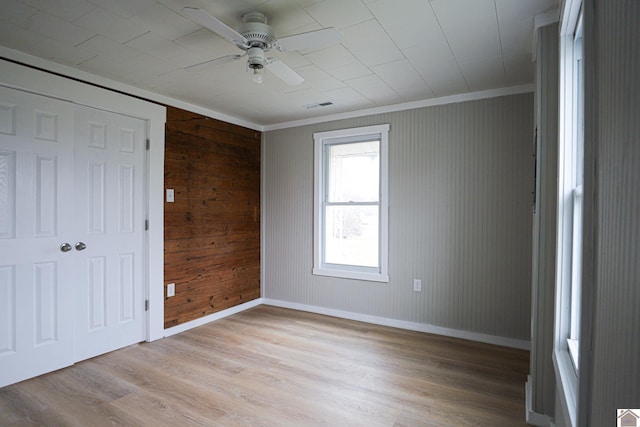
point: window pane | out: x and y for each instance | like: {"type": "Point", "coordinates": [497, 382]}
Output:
{"type": "Point", "coordinates": [351, 235]}
{"type": "Point", "coordinates": [353, 172]}
{"type": "Point", "coordinates": [576, 265]}
{"type": "Point", "coordinates": [579, 89]}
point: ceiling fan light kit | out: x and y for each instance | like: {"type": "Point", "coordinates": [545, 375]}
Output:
{"type": "Point", "coordinates": [257, 75]}
{"type": "Point", "coordinates": [255, 37]}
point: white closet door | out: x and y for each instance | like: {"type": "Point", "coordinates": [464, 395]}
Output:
{"type": "Point", "coordinates": [72, 235]}
{"type": "Point", "coordinates": [109, 221]}
{"type": "Point", "coordinates": [36, 218]}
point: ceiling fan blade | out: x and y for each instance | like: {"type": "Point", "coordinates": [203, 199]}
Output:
{"type": "Point", "coordinates": [312, 39]}
{"type": "Point", "coordinates": [204, 18]}
{"type": "Point", "coordinates": [284, 72]}
{"type": "Point", "coordinates": [212, 63]}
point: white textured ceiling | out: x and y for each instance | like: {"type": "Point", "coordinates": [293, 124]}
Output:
{"type": "Point", "coordinates": [392, 52]}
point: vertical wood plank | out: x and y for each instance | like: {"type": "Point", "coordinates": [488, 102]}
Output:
{"type": "Point", "coordinates": [212, 230]}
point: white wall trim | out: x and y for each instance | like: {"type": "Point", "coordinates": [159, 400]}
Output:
{"type": "Point", "coordinates": [542, 20]}
{"type": "Point", "coordinates": [155, 234]}
{"type": "Point", "coordinates": [212, 317]}
{"type": "Point", "coordinates": [533, 418]}
{"type": "Point", "coordinates": [263, 203]}
{"type": "Point", "coordinates": [376, 320]}
{"type": "Point", "coordinates": [402, 324]}
{"type": "Point", "coordinates": [452, 99]}
{"type": "Point", "coordinates": [546, 18]}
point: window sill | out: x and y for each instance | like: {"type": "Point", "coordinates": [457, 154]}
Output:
{"type": "Point", "coordinates": [347, 274]}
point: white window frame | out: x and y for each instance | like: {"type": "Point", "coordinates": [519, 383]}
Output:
{"type": "Point", "coordinates": [568, 298]}
{"type": "Point", "coordinates": [573, 338]}
{"type": "Point", "coordinates": [321, 140]}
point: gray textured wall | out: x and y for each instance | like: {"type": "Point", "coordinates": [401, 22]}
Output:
{"type": "Point", "coordinates": [612, 152]}
{"type": "Point", "coordinates": [460, 182]}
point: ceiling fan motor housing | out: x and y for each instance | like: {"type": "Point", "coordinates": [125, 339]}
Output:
{"type": "Point", "coordinates": [256, 31]}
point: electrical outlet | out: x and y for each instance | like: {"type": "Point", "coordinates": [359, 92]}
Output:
{"type": "Point", "coordinates": [417, 285]}
{"type": "Point", "coordinates": [171, 290]}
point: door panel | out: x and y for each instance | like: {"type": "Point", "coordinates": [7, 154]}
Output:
{"type": "Point", "coordinates": [7, 310]}
{"type": "Point", "coordinates": [7, 193]}
{"type": "Point", "coordinates": [109, 165]}
{"type": "Point", "coordinates": [36, 290]}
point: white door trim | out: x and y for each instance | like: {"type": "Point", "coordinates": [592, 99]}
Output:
{"type": "Point", "coordinates": [43, 83]}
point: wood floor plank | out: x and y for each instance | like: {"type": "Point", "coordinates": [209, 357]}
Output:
{"type": "Point", "coordinates": [270, 366]}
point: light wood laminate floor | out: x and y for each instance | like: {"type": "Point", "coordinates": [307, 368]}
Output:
{"type": "Point", "coordinates": [275, 367]}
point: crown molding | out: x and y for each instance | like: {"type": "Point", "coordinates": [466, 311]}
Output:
{"type": "Point", "coordinates": [452, 99]}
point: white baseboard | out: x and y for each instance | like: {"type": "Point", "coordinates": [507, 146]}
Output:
{"type": "Point", "coordinates": [212, 317]}
{"type": "Point", "coordinates": [534, 418]}
{"type": "Point", "coordinates": [376, 320]}
{"type": "Point", "coordinates": [402, 324]}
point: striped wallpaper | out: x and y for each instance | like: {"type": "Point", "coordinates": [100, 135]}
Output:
{"type": "Point", "coordinates": [460, 182]}
{"type": "Point", "coordinates": [612, 151]}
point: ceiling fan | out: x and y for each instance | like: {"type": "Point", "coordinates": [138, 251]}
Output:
{"type": "Point", "coordinates": [255, 37]}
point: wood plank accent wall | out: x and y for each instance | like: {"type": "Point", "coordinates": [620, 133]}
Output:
{"type": "Point", "coordinates": [212, 230]}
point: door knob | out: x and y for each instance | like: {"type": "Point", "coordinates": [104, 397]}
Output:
{"type": "Point", "coordinates": [80, 246]}
{"type": "Point", "coordinates": [65, 247]}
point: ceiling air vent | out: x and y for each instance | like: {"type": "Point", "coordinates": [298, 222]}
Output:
{"type": "Point", "coordinates": [320, 104]}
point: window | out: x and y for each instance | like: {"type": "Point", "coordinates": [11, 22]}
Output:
{"type": "Point", "coordinates": [570, 206]}
{"type": "Point", "coordinates": [577, 160]}
{"type": "Point", "coordinates": [350, 221]}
